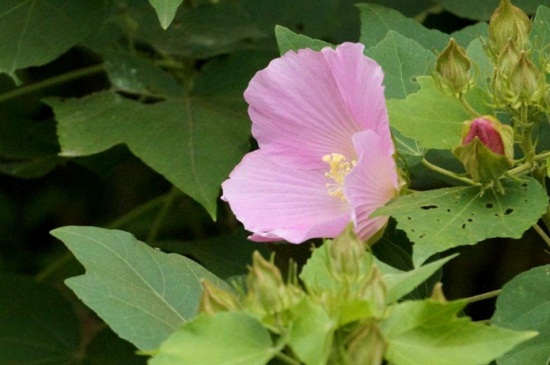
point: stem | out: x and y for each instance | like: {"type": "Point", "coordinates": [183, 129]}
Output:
{"type": "Point", "coordinates": [467, 106]}
{"type": "Point", "coordinates": [523, 168]}
{"type": "Point", "coordinates": [286, 359]}
{"type": "Point", "coordinates": [157, 223]}
{"type": "Point", "coordinates": [480, 297]}
{"type": "Point", "coordinates": [448, 173]}
{"type": "Point", "coordinates": [52, 81]}
{"type": "Point", "coordinates": [542, 234]}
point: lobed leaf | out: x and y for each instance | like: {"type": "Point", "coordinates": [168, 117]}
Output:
{"type": "Point", "coordinates": [430, 333]}
{"type": "Point", "coordinates": [287, 40]}
{"type": "Point", "coordinates": [143, 294]}
{"type": "Point", "coordinates": [191, 142]}
{"type": "Point", "coordinates": [524, 304]}
{"type": "Point", "coordinates": [437, 220]}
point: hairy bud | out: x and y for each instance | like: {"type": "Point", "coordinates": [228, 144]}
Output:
{"type": "Point", "coordinates": [509, 22]}
{"type": "Point", "coordinates": [367, 345]}
{"type": "Point", "coordinates": [215, 300]}
{"type": "Point", "coordinates": [453, 69]}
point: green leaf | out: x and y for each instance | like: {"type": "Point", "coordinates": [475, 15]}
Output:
{"type": "Point", "coordinates": [166, 10]}
{"type": "Point", "coordinates": [402, 60]}
{"type": "Point", "coordinates": [142, 293]}
{"type": "Point", "coordinates": [468, 34]}
{"type": "Point", "coordinates": [224, 256]}
{"type": "Point", "coordinates": [36, 32]}
{"type": "Point", "coordinates": [312, 333]}
{"type": "Point", "coordinates": [205, 31]}
{"type": "Point", "coordinates": [430, 333]}
{"type": "Point", "coordinates": [106, 348]}
{"type": "Point", "coordinates": [408, 148]}
{"type": "Point", "coordinates": [39, 325]}
{"type": "Point", "coordinates": [484, 68]}
{"type": "Point", "coordinates": [433, 119]}
{"type": "Point", "coordinates": [540, 34]}
{"type": "Point", "coordinates": [482, 10]}
{"type": "Point", "coordinates": [377, 20]}
{"type": "Point", "coordinates": [437, 220]}
{"type": "Point", "coordinates": [400, 283]}
{"type": "Point", "coordinates": [287, 40]}
{"type": "Point", "coordinates": [133, 74]}
{"type": "Point", "coordinates": [193, 143]}
{"type": "Point", "coordinates": [524, 304]}
{"type": "Point", "coordinates": [225, 338]}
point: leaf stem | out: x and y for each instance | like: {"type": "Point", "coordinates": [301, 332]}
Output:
{"type": "Point", "coordinates": [467, 106]}
{"type": "Point", "coordinates": [69, 76]}
{"type": "Point", "coordinates": [480, 297]}
{"type": "Point", "coordinates": [542, 234]}
{"type": "Point", "coordinates": [157, 223]}
{"type": "Point", "coordinates": [448, 173]}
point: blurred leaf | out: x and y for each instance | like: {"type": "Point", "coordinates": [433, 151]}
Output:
{"type": "Point", "coordinates": [312, 333]}
{"type": "Point", "coordinates": [225, 338]}
{"type": "Point", "coordinates": [202, 32]}
{"type": "Point", "coordinates": [137, 75]}
{"type": "Point", "coordinates": [468, 34]}
{"type": "Point", "coordinates": [196, 144]}
{"type": "Point", "coordinates": [28, 149]}
{"type": "Point", "coordinates": [482, 10]}
{"type": "Point", "coordinates": [434, 127]}
{"type": "Point", "coordinates": [377, 20]}
{"type": "Point", "coordinates": [400, 283]}
{"type": "Point", "coordinates": [540, 34]}
{"type": "Point", "coordinates": [166, 10]}
{"type": "Point", "coordinates": [107, 348]}
{"type": "Point", "coordinates": [483, 67]}
{"type": "Point", "coordinates": [143, 294]}
{"type": "Point", "coordinates": [524, 304]}
{"type": "Point", "coordinates": [39, 325]}
{"type": "Point", "coordinates": [430, 333]}
{"type": "Point", "coordinates": [402, 60]}
{"type": "Point", "coordinates": [440, 219]}
{"type": "Point", "coordinates": [36, 32]}
{"type": "Point", "coordinates": [408, 148]}
{"type": "Point", "coordinates": [287, 40]}
{"type": "Point", "coordinates": [224, 256]}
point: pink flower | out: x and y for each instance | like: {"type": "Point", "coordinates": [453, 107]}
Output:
{"type": "Point", "coordinates": [486, 130]}
{"type": "Point", "coordinates": [326, 153]}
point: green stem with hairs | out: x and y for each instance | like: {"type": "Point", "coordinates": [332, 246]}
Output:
{"type": "Point", "coordinates": [448, 173]}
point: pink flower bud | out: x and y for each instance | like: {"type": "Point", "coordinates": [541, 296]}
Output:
{"type": "Point", "coordinates": [485, 130]}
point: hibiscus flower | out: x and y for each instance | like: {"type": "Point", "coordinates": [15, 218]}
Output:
{"type": "Point", "coordinates": [325, 153]}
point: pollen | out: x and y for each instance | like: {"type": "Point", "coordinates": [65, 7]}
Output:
{"type": "Point", "coordinates": [339, 168]}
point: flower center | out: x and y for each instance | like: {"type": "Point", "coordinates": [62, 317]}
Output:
{"type": "Point", "coordinates": [339, 169]}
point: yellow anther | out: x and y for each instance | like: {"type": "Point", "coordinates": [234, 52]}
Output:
{"type": "Point", "coordinates": [339, 168]}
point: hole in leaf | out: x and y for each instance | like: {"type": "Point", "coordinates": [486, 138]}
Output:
{"type": "Point", "coordinates": [409, 218]}
{"type": "Point", "coordinates": [464, 226]}
{"type": "Point", "coordinates": [448, 210]}
{"type": "Point", "coordinates": [422, 235]}
{"type": "Point", "coordinates": [428, 207]}
{"type": "Point", "coordinates": [489, 205]}
{"type": "Point", "coordinates": [508, 211]}
{"type": "Point", "coordinates": [470, 220]}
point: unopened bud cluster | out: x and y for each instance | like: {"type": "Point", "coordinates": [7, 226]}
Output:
{"type": "Point", "coordinates": [453, 70]}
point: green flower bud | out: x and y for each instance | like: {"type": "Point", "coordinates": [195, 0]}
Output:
{"type": "Point", "coordinates": [367, 345]}
{"type": "Point", "coordinates": [509, 22]}
{"type": "Point", "coordinates": [374, 291]}
{"type": "Point", "coordinates": [453, 68]}
{"type": "Point", "coordinates": [526, 83]}
{"type": "Point", "coordinates": [508, 59]}
{"type": "Point", "coordinates": [487, 149]}
{"type": "Point", "coordinates": [347, 257]}
{"type": "Point", "coordinates": [215, 300]}
{"type": "Point", "coordinates": [437, 293]}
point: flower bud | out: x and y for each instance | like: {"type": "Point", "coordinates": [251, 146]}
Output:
{"type": "Point", "coordinates": [453, 67]}
{"type": "Point", "coordinates": [348, 256]}
{"type": "Point", "coordinates": [374, 291]}
{"type": "Point", "coordinates": [215, 300]}
{"type": "Point", "coordinates": [437, 293]}
{"type": "Point", "coordinates": [487, 149]}
{"type": "Point", "coordinates": [509, 22]}
{"type": "Point", "coordinates": [508, 58]}
{"type": "Point", "coordinates": [367, 345]}
{"type": "Point", "coordinates": [526, 83]}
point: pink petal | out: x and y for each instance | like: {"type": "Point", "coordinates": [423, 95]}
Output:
{"type": "Point", "coordinates": [276, 202]}
{"type": "Point", "coordinates": [371, 184]}
{"type": "Point", "coordinates": [309, 104]}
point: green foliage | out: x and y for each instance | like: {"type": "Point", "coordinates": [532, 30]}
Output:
{"type": "Point", "coordinates": [287, 40]}
{"type": "Point", "coordinates": [524, 305]}
{"type": "Point", "coordinates": [482, 10]}
{"type": "Point", "coordinates": [437, 220]}
{"type": "Point", "coordinates": [41, 31]}
{"type": "Point", "coordinates": [434, 127]}
{"type": "Point", "coordinates": [224, 338]}
{"type": "Point", "coordinates": [166, 10]}
{"type": "Point", "coordinates": [200, 142]}
{"type": "Point", "coordinates": [431, 333]}
{"type": "Point", "coordinates": [138, 290]}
